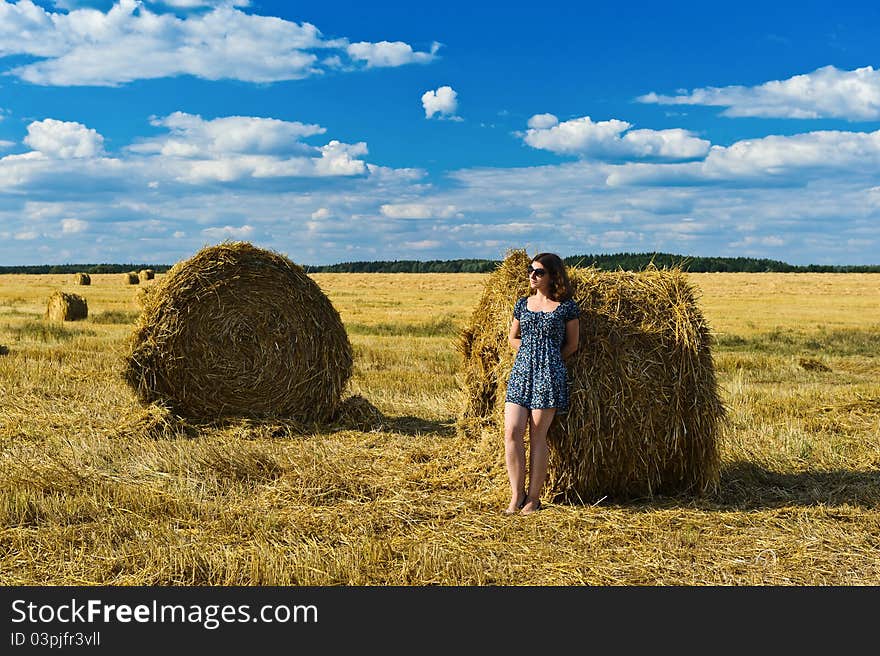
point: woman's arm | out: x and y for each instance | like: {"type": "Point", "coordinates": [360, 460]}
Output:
{"type": "Point", "coordinates": [572, 335]}
{"type": "Point", "coordinates": [513, 337]}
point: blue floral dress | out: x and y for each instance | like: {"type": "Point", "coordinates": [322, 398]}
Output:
{"type": "Point", "coordinates": [538, 377]}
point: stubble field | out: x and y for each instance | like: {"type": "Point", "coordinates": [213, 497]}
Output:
{"type": "Point", "coordinates": [95, 489]}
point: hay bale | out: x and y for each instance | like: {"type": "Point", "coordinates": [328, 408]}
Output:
{"type": "Point", "coordinates": [146, 274]}
{"type": "Point", "coordinates": [82, 279]}
{"type": "Point", "coordinates": [237, 331]}
{"type": "Point", "coordinates": [4, 350]}
{"type": "Point", "coordinates": [66, 307]}
{"type": "Point", "coordinates": [645, 412]}
{"type": "Point", "coordinates": [130, 278]}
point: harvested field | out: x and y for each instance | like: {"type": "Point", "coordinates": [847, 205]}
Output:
{"type": "Point", "coordinates": [99, 489]}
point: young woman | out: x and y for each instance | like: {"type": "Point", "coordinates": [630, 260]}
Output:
{"type": "Point", "coordinates": [544, 332]}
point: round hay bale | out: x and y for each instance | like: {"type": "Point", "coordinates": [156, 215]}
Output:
{"type": "Point", "coordinates": [82, 279]}
{"type": "Point", "coordinates": [146, 274]}
{"type": "Point", "coordinates": [237, 331]}
{"type": "Point", "coordinates": [4, 350]}
{"type": "Point", "coordinates": [645, 411]}
{"type": "Point", "coordinates": [130, 278]}
{"type": "Point", "coordinates": [66, 307]}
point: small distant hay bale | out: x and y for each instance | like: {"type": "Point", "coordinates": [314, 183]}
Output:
{"type": "Point", "coordinates": [238, 331]}
{"type": "Point", "coordinates": [63, 306]}
{"type": "Point", "coordinates": [813, 364]}
{"type": "Point", "coordinates": [644, 412]}
{"type": "Point", "coordinates": [130, 278]}
{"type": "Point", "coordinates": [357, 413]}
{"type": "Point", "coordinates": [82, 279]}
{"type": "Point", "coordinates": [146, 274]}
{"type": "Point", "coordinates": [4, 350]}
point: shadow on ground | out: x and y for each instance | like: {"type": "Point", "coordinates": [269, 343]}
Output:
{"type": "Point", "coordinates": [746, 486]}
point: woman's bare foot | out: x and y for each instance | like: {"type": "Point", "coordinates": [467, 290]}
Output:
{"type": "Point", "coordinates": [515, 504]}
{"type": "Point", "coordinates": [530, 506]}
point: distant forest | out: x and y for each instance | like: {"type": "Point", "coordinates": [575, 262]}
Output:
{"type": "Point", "coordinates": [613, 262]}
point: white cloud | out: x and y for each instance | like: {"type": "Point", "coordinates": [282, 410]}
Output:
{"type": "Point", "coordinates": [543, 121]}
{"type": "Point", "coordinates": [4, 145]}
{"type": "Point", "coordinates": [602, 139]}
{"type": "Point", "coordinates": [421, 245]}
{"type": "Point", "coordinates": [389, 53]}
{"type": "Point", "coordinates": [129, 42]}
{"type": "Point", "coordinates": [63, 139]}
{"type": "Point", "coordinates": [418, 211]}
{"type": "Point", "coordinates": [73, 226]}
{"type": "Point", "coordinates": [229, 232]}
{"type": "Point", "coordinates": [339, 158]}
{"type": "Point", "coordinates": [238, 147]}
{"type": "Point", "coordinates": [827, 92]}
{"type": "Point", "coordinates": [771, 160]}
{"type": "Point", "coordinates": [443, 101]}
{"type": "Point", "coordinates": [321, 213]}
{"type": "Point", "coordinates": [196, 152]}
{"type": "Point", "coordinates": [192, 136]}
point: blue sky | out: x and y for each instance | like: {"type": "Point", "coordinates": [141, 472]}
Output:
{"type": "Point", "coordinates": [143, 131]}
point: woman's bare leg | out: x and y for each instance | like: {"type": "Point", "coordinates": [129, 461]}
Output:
{"type": "Point", "coordinates": [539, 454]}
{"type": "Point", "coordinates": [515, 420]}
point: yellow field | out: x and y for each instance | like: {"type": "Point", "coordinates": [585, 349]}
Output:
{"type": "Point", "coordinates": [98, 490]}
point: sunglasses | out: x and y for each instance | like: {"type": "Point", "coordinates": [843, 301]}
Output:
{"type": "Point", "coordinates": [539, 273]}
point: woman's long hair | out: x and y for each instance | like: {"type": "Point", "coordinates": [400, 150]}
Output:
{"type": "Point", "coordinates": [560, 285]}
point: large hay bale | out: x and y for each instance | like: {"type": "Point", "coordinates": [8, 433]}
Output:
{"type": "Point", "coordinates": [82, 279]}
{"type": "Point", "coordinates": [645, 411]}
{"type": "Point", "coordinates": [66, 307]}
{"type": "Point", "coordinates": [146, 274]}
{"type": "Point", "coordinates": [237, 331]}
{"type": "Point", "coordinates": [130, 278]}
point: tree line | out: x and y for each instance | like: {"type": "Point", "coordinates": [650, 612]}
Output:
{"type": "Point", "coordinates": [608, 262]}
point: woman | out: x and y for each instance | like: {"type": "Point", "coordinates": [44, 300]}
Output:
{"type": "Point", "coordinates": [544, 332]}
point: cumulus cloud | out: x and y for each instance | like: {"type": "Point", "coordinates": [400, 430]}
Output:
{"type": "Point", "coordinates": [192, 136]}
{"type": "Point", "coordinates": [129, 42]}
{"type": "Point", "coordinates": [827, 92]}
{"type": "Point", "coordinates": [773, 159]}
{"type": "Point", "coordinates": [606, 139]}
{"type": "Point", "coordinates": [418, 211]}
{"type": "Point", "coordinates": [229, 232]}
{"type": "Point", "coordinates": [443, 101]}
{"type": "Point", "coordinates": [543, 121]}
{"type": "Point", "coordinates": [237, 147]}
{"type": "Point", "coordinates": [389, 53]}
{"type": "Point", "coordinates": [73, 226]}
{"type": "Point", "coordinates": [195, 151]}
{"type": "Point", "coordinates": [63, 139]}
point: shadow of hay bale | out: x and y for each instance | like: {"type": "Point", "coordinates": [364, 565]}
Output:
{"type": "Point", "coordinates": [4, 350]}
{"type": "Point", "coordinates": [749, 486]}
{"type": "Point", "coordinates": [238, 331]}
{"type": "Point", "coordinates": [63, 306]}
{"type": "Point", "coordinates": [644, 413]}
{"type": "Point", "coordinates": [158, 421]}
